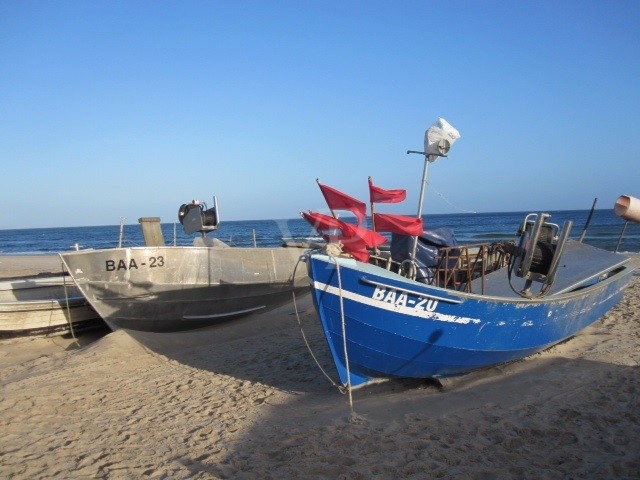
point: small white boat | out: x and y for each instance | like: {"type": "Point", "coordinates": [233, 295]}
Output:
{"type": "Point", "coordinates": [43, 305]}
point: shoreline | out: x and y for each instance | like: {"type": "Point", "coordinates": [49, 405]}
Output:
{"type": "Point", "coordinates": [21, 266]}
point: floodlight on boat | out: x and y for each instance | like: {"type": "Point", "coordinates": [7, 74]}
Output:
{"type": "Point", "coordinates": [196, 217]}
{"type": "Point", "coordinates": [439, 138]}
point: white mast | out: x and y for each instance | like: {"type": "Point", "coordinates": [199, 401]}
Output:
{"type": "Point", "coordinates": [438, 140]}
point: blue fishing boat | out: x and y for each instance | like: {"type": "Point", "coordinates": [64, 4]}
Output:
{"type": "Point", "coordinates": [429, 308]}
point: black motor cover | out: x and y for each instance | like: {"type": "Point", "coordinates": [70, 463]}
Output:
{"type": "Point", "coordinates": [429, 244]}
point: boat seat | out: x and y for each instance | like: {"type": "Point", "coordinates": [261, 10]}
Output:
{"type": "Point", "coordinates": [152, 231]}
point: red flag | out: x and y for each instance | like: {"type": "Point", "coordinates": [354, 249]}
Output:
{"type": "Point", "coordinates": [322, 222]}
{"type": "Point", "coordinates": [398, 224]}
{"type": "Point", "coordinates": [357, 249]}
{"type": "Point", "coordinates": [370, 238]}
{"type": "Point", "coordinates": [337, 200]}
{"type": "Point", "coordinates": [379, 195]}
{"type": "Point", "coordinates": [355, 239]}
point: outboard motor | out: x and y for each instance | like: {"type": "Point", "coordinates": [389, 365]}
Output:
{"type": "Point", "coordinates": [195, 217]}
{"type": "Point", "coordinates": [537, 256]}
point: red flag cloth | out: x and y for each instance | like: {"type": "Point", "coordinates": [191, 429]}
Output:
{"type": "Point", "coordinates": [337, 200]}
{"type": "Point", "coordinates": [352, 245]}
{"type": "Point", "coordinates": [322, 222]}
{"type": "Point", "coordinates": [370, 238]}
{"type": "Point", "coordinates": [355, 239]}
{"type": "Point", "coordinates": [379, 195]}
{"type": "Point", "coordinates": [398, 224]}
{"type": "Point", "coordinates": [356, 248]}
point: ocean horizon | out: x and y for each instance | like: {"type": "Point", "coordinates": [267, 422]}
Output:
{"type": "Point", "coordinates": [604, 232]}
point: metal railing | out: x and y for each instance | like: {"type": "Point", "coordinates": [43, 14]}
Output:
{"type": "Point", "coordinates": [460, 265]}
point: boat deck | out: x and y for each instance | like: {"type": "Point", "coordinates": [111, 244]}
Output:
{"type": "Point", "coordinates": [579, 265]}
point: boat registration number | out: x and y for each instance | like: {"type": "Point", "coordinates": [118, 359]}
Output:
{"type": "Point", "coordinates": [132, 264]}
{"type": "Point", "coordinates": [401, 299]}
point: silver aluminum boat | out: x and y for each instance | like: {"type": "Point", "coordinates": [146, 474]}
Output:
{"type": "Point", "coordinates": [170, 288]}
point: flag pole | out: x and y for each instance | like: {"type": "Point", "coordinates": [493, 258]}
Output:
{"type": "Point", "coordinates": [376, 250]}
{"type": "Point", "coordinates": [442, 129]}
{"type": "Point", "coordinates": [443, 147]}
{"type": "Point", "coordinates": [373, 216]}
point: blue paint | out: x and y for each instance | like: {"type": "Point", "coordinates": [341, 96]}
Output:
{"type": "Point", "coordinates": [388, 336]}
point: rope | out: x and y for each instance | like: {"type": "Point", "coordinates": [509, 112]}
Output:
{"type": "Point", "coordinates": [446, 200]}
{"type": "Point", "coordinates": [66, 299]}
{"type": "Point", "coordinates": [295, 307]}
{"type": "Point", "coordinates": [333, 251]}
{"type": "Point", "coordinates": [344, 337]}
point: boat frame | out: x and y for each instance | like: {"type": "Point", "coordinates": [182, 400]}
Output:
{"type": "Point", "coordinates": [43, 306]}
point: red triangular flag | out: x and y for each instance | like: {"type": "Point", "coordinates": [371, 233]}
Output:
{"type": "Point", "coordinates": [370, 238]}
{"type": "Point", "coordinates": [355, 239]}
{"type": "Point", "coordinates": [321, 222]}
{"type": "Point", "coordinates": [336, 200]}
{"type": "Point", "coordinates": [398, 224]}
{"type": "Point", "coordinates": [379, 195]}
{"type": "Point", "coordinates": [357, 248]}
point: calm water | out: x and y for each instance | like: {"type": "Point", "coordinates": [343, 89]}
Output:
{"type": "Point", "coordinates": [604, 232]}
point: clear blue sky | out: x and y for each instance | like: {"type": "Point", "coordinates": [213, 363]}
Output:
{"type": "Point", "coordinates": [114, 109]}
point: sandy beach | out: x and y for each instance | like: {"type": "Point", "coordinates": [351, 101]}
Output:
{"type": "Point", "coordinates": [246, 400]}
{"type": "Point", "coordinates": [21, 266]}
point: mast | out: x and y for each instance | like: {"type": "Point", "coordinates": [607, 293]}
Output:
{"type": "Point", "coordinates": [438, 140]}
{"type": "Point", "coordinates": [423, 189]}
{"type": "Point", "coordinates": [373, 216]}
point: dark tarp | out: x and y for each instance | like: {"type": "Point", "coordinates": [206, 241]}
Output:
{"type": "Point", "coordinates": [427, 256]}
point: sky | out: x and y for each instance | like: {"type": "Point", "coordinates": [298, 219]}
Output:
{"type": "Point", "coordinates": [128, 109]}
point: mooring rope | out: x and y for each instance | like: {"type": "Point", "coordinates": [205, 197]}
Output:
{"type": "Point", "coordinates": [344, 336]}
{"type": "Point", "coordinates": [333, 251]}
{"type": "Point", "coordinates": [66, 299]}
{"type": "Point", "coordinates": [304, 337]}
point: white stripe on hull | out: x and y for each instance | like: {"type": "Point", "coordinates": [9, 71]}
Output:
{"type": "Point", "coordinates": [392, 307]}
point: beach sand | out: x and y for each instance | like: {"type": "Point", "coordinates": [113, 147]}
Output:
{"type": "Point", "coordinates": [246, 400]}
{"type": "Point", "coordinates": [22, 266]}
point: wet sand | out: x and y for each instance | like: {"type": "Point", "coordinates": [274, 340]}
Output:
{"type": "Point", "coordinates": [246, 400]}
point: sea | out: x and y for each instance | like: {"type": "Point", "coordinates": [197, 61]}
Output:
{"type": "Point", "coordinates": [605, 230]}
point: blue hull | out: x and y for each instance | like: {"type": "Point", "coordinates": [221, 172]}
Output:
{"type": "Point", "coordinates": [400, 328]}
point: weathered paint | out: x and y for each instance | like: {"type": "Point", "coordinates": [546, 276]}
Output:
{"type": "Point", "coordinates": [466, 333]}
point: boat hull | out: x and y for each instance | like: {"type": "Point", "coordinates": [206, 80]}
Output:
{"type": "Point", "coordinates": [396, 327]}
{"type": "Point", "coordinates": [41, 306]}
{"type": "Point", "coordinates": [164, 289]}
